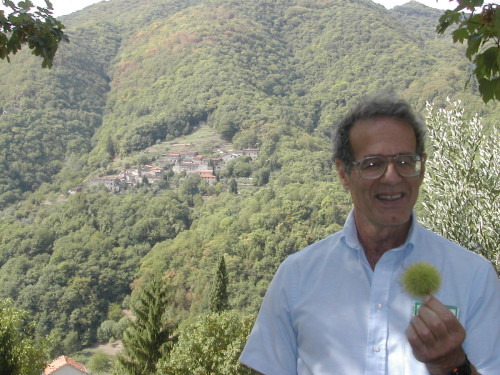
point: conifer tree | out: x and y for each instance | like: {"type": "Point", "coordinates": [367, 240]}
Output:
{"type": "Point", "coordinates": [218, 296]}
{"type": "Point", "coordinates": [150, 335]}
{"type": "Point", "coordinates": [233, 186]}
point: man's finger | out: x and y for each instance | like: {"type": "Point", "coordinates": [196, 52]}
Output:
{"type": "Point", "coordinates": [433, 308]}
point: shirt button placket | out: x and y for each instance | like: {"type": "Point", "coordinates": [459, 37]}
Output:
{"type": "Point", "coordinates": [376, 362]}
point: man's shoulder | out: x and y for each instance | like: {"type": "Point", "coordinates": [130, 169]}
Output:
{"type": "Point", "coordinates": [310, 263]}
{"type": "Point", "coordinates": [441, 246]}
{"type": "Point", "coordinates": [318, 249]}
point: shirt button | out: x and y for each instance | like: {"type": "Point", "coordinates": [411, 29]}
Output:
{"type": "Point", "coordinates": [379, 306]}
{"type": "Point", "coordinates": [376, 349]}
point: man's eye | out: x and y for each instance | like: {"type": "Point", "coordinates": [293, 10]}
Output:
{"type": "Point", "coordinates": [406, 163]}
{"type": "Point", "coordinates": [373, 164]}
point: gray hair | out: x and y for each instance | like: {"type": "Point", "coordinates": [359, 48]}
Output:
{"type": "Point", "coordinates": [370, 108]}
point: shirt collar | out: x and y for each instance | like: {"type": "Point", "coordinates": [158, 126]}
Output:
{"type": "Point", "coordinates": [350, 234]}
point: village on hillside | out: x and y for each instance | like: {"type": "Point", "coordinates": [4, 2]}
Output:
{"type": "Point", "coordinates": [190, 163]}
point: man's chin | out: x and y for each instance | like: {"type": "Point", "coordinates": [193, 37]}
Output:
{"type": "Point", "coordinates": [393, 220]}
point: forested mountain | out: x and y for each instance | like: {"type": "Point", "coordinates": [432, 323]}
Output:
{"type": "Point", "coordinates": [273, 75]}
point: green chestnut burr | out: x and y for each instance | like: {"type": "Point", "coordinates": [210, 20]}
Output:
{"type": "Point", "coordinates": [421, 279]}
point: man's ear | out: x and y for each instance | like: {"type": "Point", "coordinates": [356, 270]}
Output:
{"type": "Point", "coordinates": [342, 173]}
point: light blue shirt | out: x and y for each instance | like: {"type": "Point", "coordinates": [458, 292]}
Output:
{"type": "Point", "coordinates": [327, 312]}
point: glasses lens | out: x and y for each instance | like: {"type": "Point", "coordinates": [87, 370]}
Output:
{"type": "Point", "coordinates": [372, 167]}
{"type": "Point", "coordinates": [408, 165]}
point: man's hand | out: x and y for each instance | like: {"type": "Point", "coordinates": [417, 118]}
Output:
{"type": "Point", "coordinates": [436, 337]}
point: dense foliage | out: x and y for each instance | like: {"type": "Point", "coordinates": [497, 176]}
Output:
{"type": "Point", "coordinates": [210, 346]}
{"type": "Point", "coordinates": [139, 72]}
{"type": "Point", "coordinates": [69, 261]}
{"type": "Point", "coordinates": [462, 188]}
{"type": "Point", "coordinates": [478, 23]}
{"type": "Point", "coordinates": [48, 117]}
{"type": "Point", "coordinates": [20, 352]}
{"type": "Point", "coordinates": [35, 27]}
{"type": "Point", "coordinates": [150, 334]}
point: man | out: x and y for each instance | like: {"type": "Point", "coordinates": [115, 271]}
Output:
{"type": "Point", "coordinates": [338, 307]}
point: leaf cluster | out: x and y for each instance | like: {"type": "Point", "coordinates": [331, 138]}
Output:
{"type": "Point", "coordinates": [211, 345]}
{"type": "Point", "coordinates": [38, 29]}
{"type": "Point", "coordinates": [20, 352]}
{"type": "Point", "coordinates": [481, 29]}
{"type": "Point", "coordinates": [462, 187]}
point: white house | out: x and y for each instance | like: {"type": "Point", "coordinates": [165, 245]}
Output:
{"type": "Point", "coordinates": [112, 183]}
{"type": "Point", "coordinates": [65, 366]}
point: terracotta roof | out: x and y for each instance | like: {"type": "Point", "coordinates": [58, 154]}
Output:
{"type": "Point", "coordinates": [62, 361]}
{"type": "Point", "coordinates": [207, 174]}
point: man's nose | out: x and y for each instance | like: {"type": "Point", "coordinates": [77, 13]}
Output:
{"type": "Point", "coordinates": [391, 174]}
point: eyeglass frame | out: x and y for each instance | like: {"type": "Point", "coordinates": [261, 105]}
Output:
{"type": "Point", "coordinates": [417, 158]}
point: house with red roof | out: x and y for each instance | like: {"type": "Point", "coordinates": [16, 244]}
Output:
{"type": "Point", "coordinates": [65, 366]}
{"type": "Point", "coordinates": [208, 176]}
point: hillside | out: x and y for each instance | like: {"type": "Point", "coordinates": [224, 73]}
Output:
{"type": "Point", "coordinates": [141, 78]}
{"type": "Point", "coordinates": [126, 82]}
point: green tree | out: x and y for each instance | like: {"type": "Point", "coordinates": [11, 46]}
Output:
{"type": "Point", "coordinates": [210, 346]}
{"type": "Point", "coordinates": [461, 189]}
{"type": "Point", "coordinates": [71, 342]}
{"type": "Point", "coordinates": [110, 147]}
{"type": "Point", "coordinates": [20, 353]}
{"type": "Point", "coordinates": [150, 335]}
{"type": "Point", "coordinates": [218, 295]}
{"type": "Point", "coordinates": [233, 186]}
{"type": "Point", "coordinates": [478, 23]}
{"type": "Point", "coordinates": [38, 29]}
{"type": "Point", "coordinates": [100, 363]}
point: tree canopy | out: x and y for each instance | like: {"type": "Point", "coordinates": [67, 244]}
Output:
{"type": "Point", "coordinates": [34, 26]}
{"type": "Point", "coordinates": [150, 334]}
{"type": "Point", "coordinates": [462, 188]}
{"type": "Point", "coordinates": [20, 352]}
{"type": "Point", "coordinates": [478, 23]}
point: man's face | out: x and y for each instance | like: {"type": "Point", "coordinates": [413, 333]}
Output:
{"type": "Point", "coordinates": [387, 201]}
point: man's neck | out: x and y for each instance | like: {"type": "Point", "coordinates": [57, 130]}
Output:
{"type": "Point", "coordinates": [377, 241]}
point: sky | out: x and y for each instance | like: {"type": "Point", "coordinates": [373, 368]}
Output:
{"type": "Point", "coordinates": [62, 7]}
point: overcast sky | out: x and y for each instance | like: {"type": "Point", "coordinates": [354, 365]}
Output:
{"type": "Point", "coordinates": [62, 7]}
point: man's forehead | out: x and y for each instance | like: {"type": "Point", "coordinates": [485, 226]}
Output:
{"type": "Point", "coordinates": [376, 136]}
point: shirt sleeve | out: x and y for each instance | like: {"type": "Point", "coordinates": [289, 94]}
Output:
{"type": "Point", "coordinates": [272, 346]}
{"type": "Point", "coordinates": [482, 344]}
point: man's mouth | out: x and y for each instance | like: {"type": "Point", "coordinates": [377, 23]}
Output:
{"type": "Point", "coordinates": [390, 197]}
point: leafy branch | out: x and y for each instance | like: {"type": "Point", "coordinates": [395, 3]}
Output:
{"type": "Point", "coordinates": [479, 25]}
{"type": "Point", "coordinates": [34, 26]}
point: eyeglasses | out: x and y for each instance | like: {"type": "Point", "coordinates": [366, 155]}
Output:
{"type": "Point", "coordinates": [373, 167]}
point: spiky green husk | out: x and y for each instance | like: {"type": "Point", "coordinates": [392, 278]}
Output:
{"type": "Point", "coordinates": [421, 279]}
